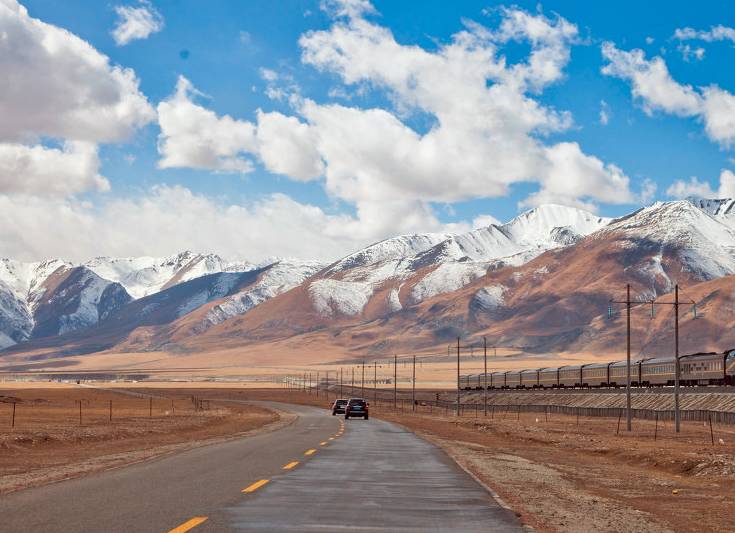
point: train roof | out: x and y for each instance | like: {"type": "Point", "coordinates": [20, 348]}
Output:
{"type": "Point", "coordinates": [597, 365]}
{"type": "Point", "coordinates": [570, 367]}
{"type": "Point", "coordinates": [548, 369]}
{"type": "Point", "coordinates": [624, 363]}
{"type": "Point", "coordinates": [529, 370]}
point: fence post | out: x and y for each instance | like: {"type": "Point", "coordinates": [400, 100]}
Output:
{"type": "Point", "coordinates": [655, 431]}
{"type": "Point", "coordinates": [150, 407]}
{"type": "Point", "coordinates": [711, 432]}
{"type": "Point", "coordinates": [80, 412]}
{"type": "Point", "coordinates": [620, 415]}
{"type": "Point", "coordinates": [12, 424]}
{"type": "Point", "coordinates": [110, 410]}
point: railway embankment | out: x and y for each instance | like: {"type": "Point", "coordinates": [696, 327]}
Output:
{"type": "Point", "coordinates": [655, 399]}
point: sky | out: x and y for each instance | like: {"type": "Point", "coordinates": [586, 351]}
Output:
{"type": "Point", "coordinates": [310, 128]}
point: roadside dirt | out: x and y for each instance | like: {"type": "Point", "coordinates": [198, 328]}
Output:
{"type": "Point", "coordinates": [560, 476]}
{"type": "Point", "coordinates": [48, 442]}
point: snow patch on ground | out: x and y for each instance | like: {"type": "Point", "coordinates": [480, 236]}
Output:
{"type": "Point", "coordinates": [279, 278]}
{"type": "Point", "coordinates": [394, 302]}
{"type": "Point", "coordinates": [87, 313]}
{"type": "Point", "coordinates": [223, 285]}
{"type": "Point", "coordinates": [447, 277]}
{"type": "Point", "coordinates": [345, 297]}
{"type": "Point", "coordinates": [490, 298]}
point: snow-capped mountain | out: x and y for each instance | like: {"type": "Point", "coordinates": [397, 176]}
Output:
{"type": "Point", "coordinates": [52, 298]}
{"type": "Point", "coordinates": [541, 281]}
{"type": "Point", "coordinates": [142, 276]}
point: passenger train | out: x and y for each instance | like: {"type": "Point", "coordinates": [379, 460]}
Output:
{"type": "Point", "coordinates": [695, 369]}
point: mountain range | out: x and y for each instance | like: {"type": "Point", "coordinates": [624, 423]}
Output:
{"type": "Point", "coordinates": [540, 283]}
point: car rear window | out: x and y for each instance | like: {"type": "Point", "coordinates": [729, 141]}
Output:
{"type": "Point", "coordinates": [341, 402]}
{"type": "Point", "coordinates": [357, 402]}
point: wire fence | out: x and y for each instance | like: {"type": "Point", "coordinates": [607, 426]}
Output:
{"type": "Point", "coordinates": [20, 413]}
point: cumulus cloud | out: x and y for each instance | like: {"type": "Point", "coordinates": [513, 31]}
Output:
{"type": "Point", "coordinates": [56, 86]}
{"type": "Point", "coordinates": [43, 171]}
{"type": "Point", "coordinates": [702, 189]}
{"type": "Point", "coordinates": [656, 89]}
{"type": "Point", "coordinates": [488, 126]}
{"type": "Point", "coordinates": [136, 22]}
{"type": "Point", "coordinates": [193, 136]}
{"type": "Point", "coordinates": [287, 146]}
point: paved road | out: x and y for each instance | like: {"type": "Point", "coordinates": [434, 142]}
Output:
{"type": "Point", "coordinates": [371, 476]}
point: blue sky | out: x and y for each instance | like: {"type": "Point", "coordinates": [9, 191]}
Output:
{"type": "Point", "coordinates": [221, 48]}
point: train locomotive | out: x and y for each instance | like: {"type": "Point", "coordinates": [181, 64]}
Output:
{"type": "Point", "coordinates": [698, 369]}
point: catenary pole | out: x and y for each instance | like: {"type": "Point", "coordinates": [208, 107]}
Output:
{"type": "Point", "coordinates": [677, 413]}
{"type": "Point", "coordinates": [628, 411]}
{"type": "Point", "coordinates": [458, 398]}
{"type": "Point", "coordinates": [484, 393]}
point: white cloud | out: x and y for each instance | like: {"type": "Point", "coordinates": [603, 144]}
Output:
{"type": "Point", "coordinates": [192, 136]}
{"type": "Point", "coordinates": [42, 171]}
{"type": "Point", "coordinates": [57, 85]}
{"type": "Point", "coordinates": [135, 23]}
{"type": "Point", "coordinates": [688, 52]}
{"type": "Point", "coordinates": [487, 132]}
{"type": "Point", "coordinates": [166, 220]}
{"type": "Point", "coordinates": [484, 221]}
{"type": "Point", "coordinates": [604, 113]}
{"type": "Point", "coordinates": [487, 126]}
{"type": "Point", "coordinates": [702, 189]}
{"type": "Point", "coordinates": [716, 33]}
{"type": "Point", "coordinates": [653, 85]}
{"type": "Point", "coordinates": [287, 146]}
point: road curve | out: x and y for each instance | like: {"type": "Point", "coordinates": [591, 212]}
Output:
{"type": "Point", "coordinates": [371, 476]}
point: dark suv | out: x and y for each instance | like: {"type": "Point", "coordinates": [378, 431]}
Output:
{"type": "Point", "coordinates": [339, 406]}
{"type": "Point", "coordinates": [357, 407]}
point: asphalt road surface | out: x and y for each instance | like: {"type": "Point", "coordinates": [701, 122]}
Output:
{"type": "Point", "coordinates": [318, 474]}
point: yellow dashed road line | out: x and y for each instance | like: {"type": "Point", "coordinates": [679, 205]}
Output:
{"type": "Point", "coordinates": [290, 465]}
{"type": "Point", "coordinates": [255, 486]}
{"type": "Point", "coordinates": [330, 438]}
{"type": "Point", "coordinates": [310, 452]}
{"type": "Point", "coordinates": [324, 443]}
{"type": "Point", "coordinates": [189, 524]}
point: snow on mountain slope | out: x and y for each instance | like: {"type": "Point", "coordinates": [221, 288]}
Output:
{"type": "Point", "coordinates": [456, 259]}
{"type": "Point", "coordinates": [395, 248]}
{"type": "Point", "coordinates": [24, 278]}
{"type": "Point", "coordinates": [142, 276]}
{"type": "Point", "coordinates": [705, 243]}
{"type": "Point", "coordinates": [74, 298]}
{"type": "Point", "coordinates": [447, 277]}
{"type": "Point", "coordinates": [276, 279]}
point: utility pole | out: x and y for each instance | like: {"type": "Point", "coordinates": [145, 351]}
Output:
{"type": "Point", "coordinates": [395, 381]}
{"type": "Point", "coordinates": [340, 384]}
{"type": "Point", "coordinates": [627, 302]}
{"type": "Point", "coordinates": [352, 387]}
{"type": "Point", "coordinates": [628, 411]}
{"type": "Point", "coordinates": [484, 392]}
{"type": "Point", "coordinates": [317, 384]}
{"type": "Point", "coordinates": [458, 398]}
{"type": "Point", "coordinates": [413, 390]}
{"type": "Point", "coordinates": [375, 382]}
{"type": "Point", "coordinates": [363, 379]}
{"type": "Point", "coordinates": [677, 413]}
{"type": "Point", "coordinates": [677, 366]}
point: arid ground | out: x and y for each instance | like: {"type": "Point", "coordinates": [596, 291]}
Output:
{"type": "Point", "coordinates": [557, 474]}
